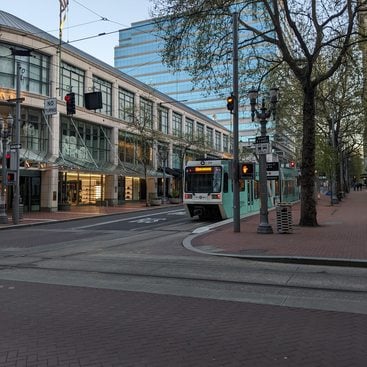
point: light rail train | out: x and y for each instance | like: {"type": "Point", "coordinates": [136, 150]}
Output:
{"type": "Point", "coordinates": [208, 188]}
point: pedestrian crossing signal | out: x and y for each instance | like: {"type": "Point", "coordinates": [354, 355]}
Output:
{"type": "Point", "coordinates": [11, 178]}
{"type": "Point", "coordinates": [247, 170]}
{"type": "Point", "coordinates": [230, 103]}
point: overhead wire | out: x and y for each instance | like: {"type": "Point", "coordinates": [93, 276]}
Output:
{"type": "Point", "coordinates": [101, 18]}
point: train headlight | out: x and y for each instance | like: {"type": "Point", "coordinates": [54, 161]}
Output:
{"type": "Point", "coordinates": [216, 196]}
{"type": "Point", "coordinates": [188, 196]}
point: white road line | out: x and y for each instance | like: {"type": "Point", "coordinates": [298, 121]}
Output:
{"type": "Point", "coordinates": [126, 219]}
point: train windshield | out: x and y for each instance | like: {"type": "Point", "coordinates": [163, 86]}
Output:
{"type": "Point", "coordinates": [206, 179]}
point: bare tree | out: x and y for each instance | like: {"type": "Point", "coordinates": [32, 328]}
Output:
{"type": "Point", "coordinates": [311, 37]}
{"type": "Point", "coordinates": [144, 137]}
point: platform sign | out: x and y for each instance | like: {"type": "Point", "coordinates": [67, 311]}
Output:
{"type": "Point", "coordinates": [272, 170]}
{"type": "Point", "coordinates": [50, 106]}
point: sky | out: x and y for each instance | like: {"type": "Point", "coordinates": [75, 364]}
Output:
{"type": "Point", "coordinates": [84, 18]}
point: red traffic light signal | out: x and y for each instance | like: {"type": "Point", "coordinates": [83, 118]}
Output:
{"type": "Point", "coordinates": [292, 164]}
{"type": "Point", "coordinates": [230, 103]}
{"type": "Point", "coordinates": [8, 156]}
{"type": "Point", "coordinates": [70, 103]}
{"type": "Point", "coordinates": [11, 160]}
{"type": "Point", "coordinates": [247, 170]}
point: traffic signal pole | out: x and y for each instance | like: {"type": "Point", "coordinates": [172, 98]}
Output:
{"type": "Point", "coordinates": [235, 179]}
{"type": "Point", "coordinates": [16, 196]}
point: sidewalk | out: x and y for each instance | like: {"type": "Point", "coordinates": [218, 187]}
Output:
{"type": "Point", "coordinates": [340, 238]}
{"type": "Point", "coordinates": [78, 212]}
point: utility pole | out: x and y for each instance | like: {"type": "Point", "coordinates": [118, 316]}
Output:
{"type": "Point", "coordinates": [18, 101]}
{"type": "Point", "coordinates": [16, 195]}
{"type": "Point", "coordinates": [235, 179]}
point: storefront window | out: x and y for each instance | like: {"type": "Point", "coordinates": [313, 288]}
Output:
{"type": "Point", "coordinates": [81, 188]}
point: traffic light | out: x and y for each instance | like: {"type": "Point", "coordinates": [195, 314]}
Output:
{"type": "Point", "coordinates": [70, 103]}
{"type": "Point", "coordinates": [11, 160]}
{"type": "Point", "coordinates": [247, 170]}
{"type": "Point", "coordinates": [11, 178]}
{"type": "Point", "coordinates": [230, 103]}
{"type": "Point", "coordinates": [8, 157]}
{"type": "Point", "coordinates": [292, 164]}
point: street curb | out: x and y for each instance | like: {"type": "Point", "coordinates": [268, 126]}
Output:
{"type": "Point", "coordinates": [186, 243]}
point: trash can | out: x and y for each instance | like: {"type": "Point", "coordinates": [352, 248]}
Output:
{"type": "Point", "coordinates": [284, 218]}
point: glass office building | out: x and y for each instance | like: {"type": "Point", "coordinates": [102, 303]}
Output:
{"type": "Point", "coordinates": [138, 55]}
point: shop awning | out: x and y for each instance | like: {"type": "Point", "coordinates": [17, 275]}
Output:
{"type": "Point", "coordinates": [175, 172]}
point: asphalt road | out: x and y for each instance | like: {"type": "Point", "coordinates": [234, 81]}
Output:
{"type": "Point", "coordinates": [110, 270]}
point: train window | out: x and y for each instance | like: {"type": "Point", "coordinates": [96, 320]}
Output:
{"type": "Point", "coordinates": [225, 182]}
{"type": "Point", "coordinates": [217, 179]}
{"type": "Point", "coordinates": [203, 179]}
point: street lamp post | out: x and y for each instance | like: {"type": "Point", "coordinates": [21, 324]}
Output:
{"type": "Point", "coordinates": [163, 155]}
{"type": "Point", "coordinates": [6, 131]}
{"type": "Point", "coordinates": [263, 114]}
{"type": "Point", "coordinates": [333, 198]}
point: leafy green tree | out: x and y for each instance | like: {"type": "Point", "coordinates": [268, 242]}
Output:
{"type": "Point", "coordinates": [340, 115]}
{"type": "Point", "coordinates": [311, 37]}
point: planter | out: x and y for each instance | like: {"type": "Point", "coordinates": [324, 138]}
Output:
{"type": "Point", "coordinates": [175, 200]}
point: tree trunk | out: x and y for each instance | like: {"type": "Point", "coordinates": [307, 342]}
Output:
{"type": "Point", "coordinates": [308, 201]}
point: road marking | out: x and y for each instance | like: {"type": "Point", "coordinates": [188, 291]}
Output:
{"type": "Point", "coordinates": [126, 219]}
{"type": "Point", "coordinates": [182, 212]}
{"type": "Point", "coordinates": [147, 220]}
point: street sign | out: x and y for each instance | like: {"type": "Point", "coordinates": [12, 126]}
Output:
{"type": "Point", "coordinates": [15, 146]}
{"type": "Point", "coordinates": [50, 106]}
{"type": "Point", "coordinates": [263, 148]}
{"type": "Point", "coordinates": [262, 139]}
{"type": "Point", "coordinates": [272, 169]}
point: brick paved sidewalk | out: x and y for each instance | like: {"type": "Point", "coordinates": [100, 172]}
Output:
{"type": "Point", "coordinates": [44, 325]}
{"type": "Point", "coordinates": [341, 234]}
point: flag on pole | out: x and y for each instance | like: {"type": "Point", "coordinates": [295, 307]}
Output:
{"type": "Point", "coordinates": [63, 6]}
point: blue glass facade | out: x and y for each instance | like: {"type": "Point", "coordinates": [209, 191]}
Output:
{"type": "Point", "coordinates": [138, 55]}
